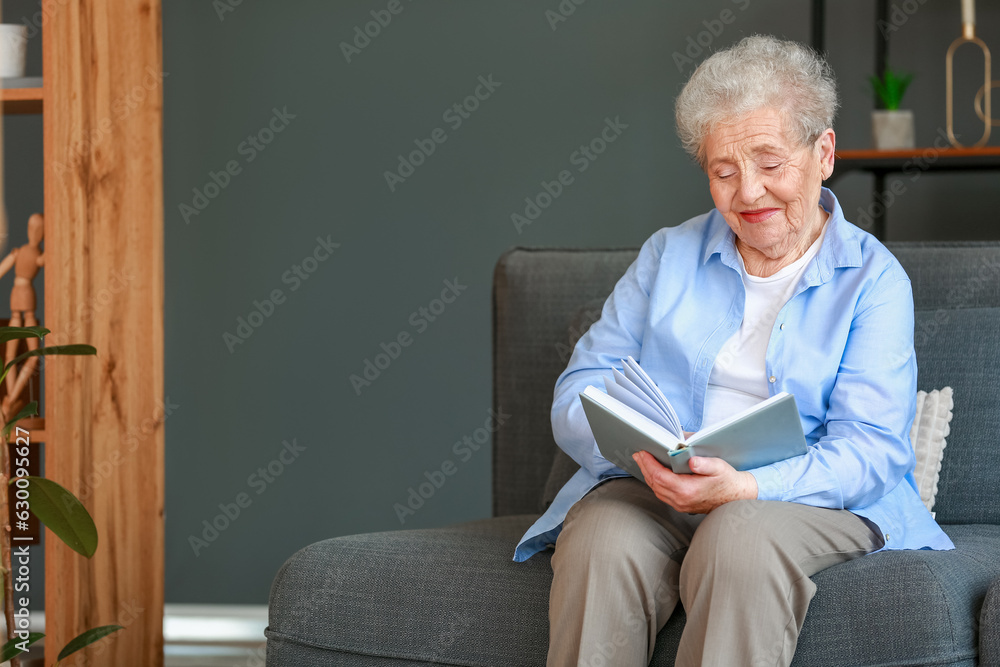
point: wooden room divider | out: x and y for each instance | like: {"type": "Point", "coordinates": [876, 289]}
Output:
{"type": "Point", "coordinates": [102, 109]}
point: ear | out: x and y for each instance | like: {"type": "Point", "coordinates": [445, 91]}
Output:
{"type": "Point", "coordinates": [826, 144]}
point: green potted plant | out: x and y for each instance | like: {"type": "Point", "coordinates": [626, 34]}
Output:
{"type": "Point", "coordinates": [892, 127]}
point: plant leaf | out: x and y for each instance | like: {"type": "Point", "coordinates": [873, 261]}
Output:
{"type": "Point", "coordinates": [87, 638]}
{"type": "Point", "coordinates": [63, 514]}
{"type": "Point", "coordinates": [11, 650]}
{"type": "Point", "coordinates": [890, 87]}
{"type": "Point", "coordinates": [27, 411]}
{"type": "Point", "coordinates": [16, 333]}
{"type": "Point", "coordinates": [45, 351]}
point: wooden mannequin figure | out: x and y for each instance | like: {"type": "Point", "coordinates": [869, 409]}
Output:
{"type": "Point", "coordinates": [26, 261]}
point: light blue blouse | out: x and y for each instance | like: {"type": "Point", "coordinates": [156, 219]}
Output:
{"type": "Point", "coordinates": [843, 345]}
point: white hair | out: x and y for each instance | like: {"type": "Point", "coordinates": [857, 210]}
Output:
{"type": "Point", "coordinates": [757, 73]}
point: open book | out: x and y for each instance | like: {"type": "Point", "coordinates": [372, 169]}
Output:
{"type": "Point", "coordinates": [634, 415]}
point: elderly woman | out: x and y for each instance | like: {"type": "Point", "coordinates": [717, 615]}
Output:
{"type": "Point", "coordinates": [773, 290]}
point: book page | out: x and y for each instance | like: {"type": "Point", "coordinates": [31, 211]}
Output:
{"type": "Point", "coordinates": [636, 380]}
{"type": "Point", "coordinates": [640, 404]}
{"type": "Point", "coordinates": [654, 392]}
{"type": "Point", "coordinates": [640, 394]}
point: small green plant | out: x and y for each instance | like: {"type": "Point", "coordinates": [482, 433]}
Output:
{"type": "Point", "coordinates": [54, 506]}
{"type": "Point", "coordinates": [890, 88]}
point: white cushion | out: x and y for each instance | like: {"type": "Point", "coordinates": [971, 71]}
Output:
{"type": "Point", "coordinates": [931, 426]}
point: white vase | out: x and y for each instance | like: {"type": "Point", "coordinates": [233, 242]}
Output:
{"type": "Point", "coordinates": [892, 130]}
{"type": "Point", "coordinates": [13, 43]}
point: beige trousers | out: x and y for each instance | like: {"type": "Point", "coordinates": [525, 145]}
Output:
{"type": "Point", "coordinates": [624, 558]}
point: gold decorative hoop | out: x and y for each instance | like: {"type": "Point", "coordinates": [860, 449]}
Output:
{"type": "Point", "coordinates": [969, 36]}
{"type": "Point", "coordinates": [994, 122]}
{"type": "Point", "coordinates": [949, 89]}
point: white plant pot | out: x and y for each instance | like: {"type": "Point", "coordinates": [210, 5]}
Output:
{"type": "Point", "coordinates": [13, 44]}
{"type": "Point", "coordinates": [892, 130]}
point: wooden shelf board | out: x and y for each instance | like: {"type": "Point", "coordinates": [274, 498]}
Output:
{"type": "Point", "coordinates": [21, 100]}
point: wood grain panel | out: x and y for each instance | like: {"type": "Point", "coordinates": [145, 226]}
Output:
{"type": "Point", "coordinates": [103, 221]}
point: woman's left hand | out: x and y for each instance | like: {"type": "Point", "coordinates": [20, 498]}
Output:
{"type": "Point", "coordinates": [713, 483]}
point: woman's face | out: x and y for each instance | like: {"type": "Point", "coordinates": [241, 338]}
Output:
{"type": "Point", "coordinates": [765, 184]}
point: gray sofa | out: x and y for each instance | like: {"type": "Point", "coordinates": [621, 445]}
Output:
{"type": "Point", "coordinates": [453, 596]}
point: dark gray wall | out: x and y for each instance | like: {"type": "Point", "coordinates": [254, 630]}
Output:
{"type": "Point", "coordinates": [323, 176]}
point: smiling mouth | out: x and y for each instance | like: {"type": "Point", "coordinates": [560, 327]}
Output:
{"type": "Point", "coordinates": [758, 214]}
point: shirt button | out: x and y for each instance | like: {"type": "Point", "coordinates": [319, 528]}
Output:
{"type": "Point", "coordinates": [772, 379]}
{"type": "Point", "coordinates": [782, 327]}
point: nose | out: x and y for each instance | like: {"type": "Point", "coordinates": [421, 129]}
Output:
{"type": "Point", "coordinates": [751, 186]}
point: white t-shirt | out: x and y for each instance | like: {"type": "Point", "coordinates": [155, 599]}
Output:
{"type": "Point", "coordinates": [739, 376]}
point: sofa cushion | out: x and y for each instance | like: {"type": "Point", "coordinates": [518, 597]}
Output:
{"type": "Point", "coordinates": [453, 596]}
{"type": "Point", "coordinates": [447, 595]}
{"type": "Point", "coordinates": [917, 607]}
{"type": "Point", "coordinates": [960, 348]}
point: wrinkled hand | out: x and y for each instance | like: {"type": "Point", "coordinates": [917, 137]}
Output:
{"type": "Point", "coordinates": [713, 483]}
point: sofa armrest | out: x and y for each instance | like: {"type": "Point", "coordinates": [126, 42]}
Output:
{"type": "Point", "coordinates": [989, 626]}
